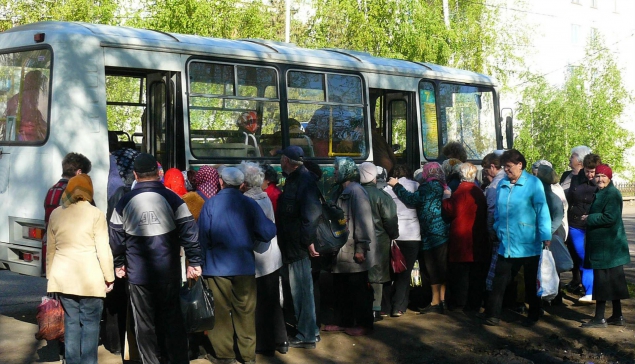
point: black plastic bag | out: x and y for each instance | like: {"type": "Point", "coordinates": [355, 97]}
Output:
{"type": "Point", "coordinates": [197, 306]}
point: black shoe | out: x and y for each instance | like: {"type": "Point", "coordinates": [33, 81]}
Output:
{"type": "Point", "coordinates": [294, 342]}
{"type": "Point", "coordinates": [377, 316]}
{"type": "Point", "coordinates": [575, 288]}
{"type": "Point", "coordinates": [488, 320]}
{"type": "Point", "coordinates": [318, 338]}
{"type": "Point", "coordinates": [530, 321]}
{"type": "Point", "coordinates": [520, 308]}
{"type": "Point", "coordinates": [616, 321]}
{"type": "Point", "coordinates": [282, 348]}
{"type": "Point", "coordinates": [593, 323]}
{"type": "Point", "coordinates": [431, 309]}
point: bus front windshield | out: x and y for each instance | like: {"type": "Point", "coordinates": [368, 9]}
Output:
{"type": "Point", "coordinates": [466, 114]}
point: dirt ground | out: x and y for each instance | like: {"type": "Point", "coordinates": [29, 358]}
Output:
{"type": "Point", "coordinates": [455, 337]}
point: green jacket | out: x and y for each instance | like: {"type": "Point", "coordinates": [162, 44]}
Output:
{"type": "Point", "coordinates": [606, 245]}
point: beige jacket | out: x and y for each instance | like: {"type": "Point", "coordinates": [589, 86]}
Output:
{"type": "Point", "coordinates": [78, 257]}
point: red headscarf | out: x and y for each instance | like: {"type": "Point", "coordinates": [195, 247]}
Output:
{"type": "Point", "coordinates": [207, 181]}
{"type": "Point", "coordinates": [605, 170]}
{"type": "Point", "coordinates": [174, 180]}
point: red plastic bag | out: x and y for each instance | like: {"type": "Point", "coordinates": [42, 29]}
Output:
{"type": "Point", "coordinates": [397, 260]}
{"type": "Point", "coordinates": [50, 319]}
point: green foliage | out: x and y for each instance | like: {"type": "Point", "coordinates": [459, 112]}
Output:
{"type": "Point", "coordinates": [583, 111]}
{"type": "Point", "coordinates": [17, 12]}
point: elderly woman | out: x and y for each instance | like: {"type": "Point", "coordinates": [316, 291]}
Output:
{"type": "Point", "coordinates": [580, 195]}
{"type": "Point", "coordinates": [353, 296]}
{"type": "Point", "coordinates": [207, 185]}
{"type": "Point", "coordinates": [79, 267]}
{"type": "Point", "coordinates": [271, 332]}
{"type": "Point", "coordinates": [606, 249]}
{"type": "Point", "coordinates": [434, 230]}
{"type": "Point", "coordinates": [409, 240]}
{"type": "Point", "coordinates": [468, 245]}
{"type": "Point", "coordinates": [452, 174]}
{"type": "Point", "coordinates": [523, 225]}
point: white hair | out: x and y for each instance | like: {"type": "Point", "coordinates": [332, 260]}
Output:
{"type": "Point", "coordinates": [581, 151]}
{"type": "Point", "coordinates": [253, 174]}
{"type": "Point", "coordinates": [467, 171]}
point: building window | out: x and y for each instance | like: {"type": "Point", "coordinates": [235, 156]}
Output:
{"type": "Point", "coordinates": [575, 34]}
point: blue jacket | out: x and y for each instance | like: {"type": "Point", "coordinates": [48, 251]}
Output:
{"type": "Point", "coordinates": [229, 225]}
{"type": "Point", "coordinates": [521, 220]}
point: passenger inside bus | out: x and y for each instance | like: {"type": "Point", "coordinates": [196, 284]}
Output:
{"type": "Point", "coordinates": [33, 109]}
{"type": "Point", "coordinates": [337, 130]}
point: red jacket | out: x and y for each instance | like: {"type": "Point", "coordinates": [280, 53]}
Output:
{"type": "Point", "coordinates": [466, 211]}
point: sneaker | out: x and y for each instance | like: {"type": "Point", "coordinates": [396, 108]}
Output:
{"type": "Point", "coordinates": [586, 299]}
{"type": "Point", "coordinates": [616, 321]}
{"type": "Point", "coordinates": [383, 314]}
{"type": "Point", "coordinates": [396, 313]}
{"type": "Point", "coordinates": [294, 342]}
{"type": "Point", "coordinates": [318, 338]}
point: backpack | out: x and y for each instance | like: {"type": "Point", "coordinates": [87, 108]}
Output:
{"type": "Point", "coordinates": [332, 230]}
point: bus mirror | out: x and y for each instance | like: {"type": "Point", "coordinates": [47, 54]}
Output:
{"type": "Point", "coordinates": [509, 131]}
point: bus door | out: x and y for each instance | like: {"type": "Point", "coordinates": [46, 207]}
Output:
{"type": "Point", "coordinates": [396, 124]}
{"type": "Point", "coordinates": [163, 136]}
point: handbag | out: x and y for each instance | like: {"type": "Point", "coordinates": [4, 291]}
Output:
{"type": "Point", "coordinates": [547, 280]}
{"type": "Point", "coordinates": [197, 306]}
{"type": "Point", "coordinates": [50, 319]}
{"type": "Point", "coordinates": [332, 229]}
{"type": "Point", "coordinates": [397, 260]}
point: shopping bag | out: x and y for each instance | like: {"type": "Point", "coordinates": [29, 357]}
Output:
{"type": "Point", "coordinates": [397, 260]}
{"type": "Point", "coordinates": [197, 306]}
{"type": "Point", "coordinates": [547, 280]}
{"type": "Point", "coordinates": [50, 319]}
{"type": "Point", "coordinates": [561, 254]}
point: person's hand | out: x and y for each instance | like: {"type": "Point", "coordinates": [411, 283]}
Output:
{"type": "Point", "coordinates": [109, 286]}
{"type": "Point", "coordinates": [583, 217]}
{"type": "Point", "coordinates": [359, 258]}
{"type": "Point", "coordinates": [312, 252]}
{"type": "Point", "coordinates": [546, 243]}
{"type": "Point", "coordinates": [392, 181]}
{"type": "Point", "coordinates": [447, 193]}
{"type": "Point", "coordinates": [194, 272]}
{"type": "Point", "coordinates": [120, 272]}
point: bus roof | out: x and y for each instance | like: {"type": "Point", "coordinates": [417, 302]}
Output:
{"type": "Point", "coordinates": [248, 49]}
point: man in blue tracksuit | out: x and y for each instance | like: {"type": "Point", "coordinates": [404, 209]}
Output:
{"type": "Point", "coordinates": [230, 224]}
{"type": "Point", "coordinates": [148, 227]}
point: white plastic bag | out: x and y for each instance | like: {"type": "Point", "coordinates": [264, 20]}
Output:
{"type": "Point", "coordinates": [547, 280]}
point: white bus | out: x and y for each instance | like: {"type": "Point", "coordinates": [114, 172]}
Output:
{"type": "Point", "coordinates": [190, 101]}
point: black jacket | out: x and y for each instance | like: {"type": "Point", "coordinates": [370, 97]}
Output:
{"type": "Point", "coordinates": [299, 209]}
{"type": "Point", "coordinates": [147, 229]}
{"type": "Point", "coordinates": [580, 196]}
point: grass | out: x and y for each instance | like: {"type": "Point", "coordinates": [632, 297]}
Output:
{"type": "Point", "coordinates": [631, 289]}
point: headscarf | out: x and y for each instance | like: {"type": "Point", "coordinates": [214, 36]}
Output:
{"type": "Point", "coordinates": [546, 175]}
{"type": "Point", "coordinates": [207, 181]}
{"type": "Point", "coordinates": [451, 166]}
{"type": "Point", "coordinates": [417, 176]}
{"type": "Point", "coordinates": [174, 181]}
{"type": "Point", "coordinates": [79, 188]}
{"type": "Point", "coordinates": [125, 163]}
{"type": "Point", "coordinates": [368, 172]}
{"type": "Point", "coordinates": [605, 170]}
{"type": "Point", "coordinates": [433, 171]}
{"type": "Point", "coordinates": [346, 170]}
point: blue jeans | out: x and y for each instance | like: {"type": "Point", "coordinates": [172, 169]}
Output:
{"type": "Point", "coordinates": [301, 283]}
{"type": "Point", "coordinates": [577, 237]}
{"type": "Point", "coordinates": [81, 328]}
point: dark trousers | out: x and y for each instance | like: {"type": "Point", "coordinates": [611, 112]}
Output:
{"type": "Point", "coordinates": [401, 281]}
{"type": "Point", "coordinates": [159, 327]}
{"type": "Point", "coordinates": [235, 304]}
{"type": "Point", "coordinates": [506, 270]}
{"type": "Point", "coordinates": [113, 325]}
{"type": "Point", "coordinates": [466, 284]}
{"type": "Point", "coordinates": [270, 326]}
{"type": "Point", "coordinates": [353, 299]}
{"type": "Point", "coordinates": [81, 328]}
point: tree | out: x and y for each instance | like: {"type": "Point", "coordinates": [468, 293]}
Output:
{"type": "Point", "coordinates": [583, 111]}
{"type": "Point", "coordinates": [18, 12]}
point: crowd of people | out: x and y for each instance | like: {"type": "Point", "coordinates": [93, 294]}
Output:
{"type": "Point", "coordinates": [477, 243]}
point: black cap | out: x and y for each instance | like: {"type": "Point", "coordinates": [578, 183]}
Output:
{"type": "Point", "coordinates": [293, 152]}
{"type": "Point", "coordinates": [145, 163]}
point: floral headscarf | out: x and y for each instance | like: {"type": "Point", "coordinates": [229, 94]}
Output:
{"type": "Point", "coordinates": [174, 181]}
{"type": "Point", "coordinates": [125, 163]}
{"type": "Point", "coordinates": [207, 181]}
{"type": "Point", "coordinates": [346, 170]}
{"type": "Point", "coordinates": [433, 172]}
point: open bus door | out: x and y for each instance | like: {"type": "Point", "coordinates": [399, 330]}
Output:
{"type": "Point", "coordinates": [396, 123]}
{"type": "Point", "coordinates": [163, 124]}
